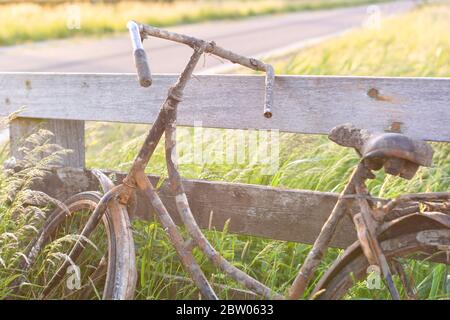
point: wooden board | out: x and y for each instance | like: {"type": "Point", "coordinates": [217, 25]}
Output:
{"type": "Point", "coordinates": [69, 134]}
{"type": "Point", "coordinates": [280, 214]}
{"type": "Point", "coordinates": [418, 107]}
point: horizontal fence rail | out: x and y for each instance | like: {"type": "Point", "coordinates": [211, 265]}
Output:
{"type": "Point", "coordinates": [275, 213]}
{"type": "Point", "coordinates": [418, 107]}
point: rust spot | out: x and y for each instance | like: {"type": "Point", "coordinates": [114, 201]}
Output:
{"type": "Point", "coordinates": [7, 101]}
{"type": "Point", "coordinates": [395, 126]}
{"type": "Point", "coordinates": [375, 94]}
{"type": "Point", "coordinates": [253, 62]}
{"type": "Point", "coordinates": [28, 84]}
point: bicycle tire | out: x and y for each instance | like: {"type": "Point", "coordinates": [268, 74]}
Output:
{"type": "Point", "coordinates": [341, 276]}
{"type": "Point", "coordinates": [120, 271]}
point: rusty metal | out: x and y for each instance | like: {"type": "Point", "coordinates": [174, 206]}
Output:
{"type": "Point", "coordinates": [407, 281]}
{"type": "Point", "coordinates": [92, 223]}
{"type": "Point", "coordinates": [185, 211]}
{"type": "Point", "coordinates": [396, 145]}
{"type": "Point", "coordinates": [212, 48]}
{"type": "Point", "coordinates": [119, 268]}
{"type": "Point", "coordinates": [166, 122]}
{"type": "Point", "coordinates": [323, 240]}
{"type": "Point", "coordinates": [377, 222]}
{"type": "Point", "coordinates": [352, 265]}
{"type": "Point", "coordinates": [397, 237]}
{"type": "Point", "coordinates": [186, 257]}
{"type": "Point", "coordinates": [430, 197]}
{"type": "Point", "coordinates": [398, 155]}
{"type": "Point", "coordinates": [367, 227]}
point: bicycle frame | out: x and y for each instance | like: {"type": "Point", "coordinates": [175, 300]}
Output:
{"type": "Point", "coordinates": [166, 123]}
{"type": "Point", "coordinates": [368, 222]}
{"type": "Point", "coordinates": [366, 227]}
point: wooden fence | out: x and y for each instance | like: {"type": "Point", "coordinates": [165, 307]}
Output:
{"type": "Point", "coordinates": [419, 107]}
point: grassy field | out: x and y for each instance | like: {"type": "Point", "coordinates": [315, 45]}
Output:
{"type": "Point", "coordinates": [416, 44]}
{"type": "Point", "coordinates": [32, 22]}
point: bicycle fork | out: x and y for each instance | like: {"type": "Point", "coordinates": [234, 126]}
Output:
{"type": "Point", "coordinates": [366, 224]}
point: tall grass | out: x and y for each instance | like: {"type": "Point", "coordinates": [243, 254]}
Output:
{"type": "Point", "coordinates": [32, 22]}
{"type": "Point", "coordinates": [22, 210]}
{"type": "Point", "coordinates": [415, 44]}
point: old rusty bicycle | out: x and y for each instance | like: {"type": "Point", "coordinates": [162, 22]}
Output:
{"type": "Point", "coordinates": [412, 226]}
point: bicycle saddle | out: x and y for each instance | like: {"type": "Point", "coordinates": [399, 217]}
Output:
{"type": "Point", "coordinates": [400, 155]}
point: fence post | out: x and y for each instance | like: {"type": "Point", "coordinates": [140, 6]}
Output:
{"type": "Point", "coordinates": [69, 134]}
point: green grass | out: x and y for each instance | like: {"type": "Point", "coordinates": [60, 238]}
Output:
{"type": "Point", "coordinates": [33, 22]}
{"type": "Point", "coordinates": [416, 44]}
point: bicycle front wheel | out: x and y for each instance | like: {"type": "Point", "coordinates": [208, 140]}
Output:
{"type": "Point", "coordinates": [105, 268]}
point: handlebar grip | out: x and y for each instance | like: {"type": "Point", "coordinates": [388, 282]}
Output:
{"type": "Point", "coordinates": [140, 57]}
{"type": "Point", "coordinates": [143, 70]}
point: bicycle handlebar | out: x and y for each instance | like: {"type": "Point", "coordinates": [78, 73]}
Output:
{"type": "Point", "coordinates": [212, 48]}
{"type": "Point", "coordinates": [140, 58]}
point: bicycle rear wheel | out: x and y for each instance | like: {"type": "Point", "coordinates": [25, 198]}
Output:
{"type": "Point", "coordinates": [420, 258]}
{"type": "Point", "coordinates": [104, 269]}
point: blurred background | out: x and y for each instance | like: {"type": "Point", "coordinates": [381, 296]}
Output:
{"type": "Point", "coordinates": [95, 39]}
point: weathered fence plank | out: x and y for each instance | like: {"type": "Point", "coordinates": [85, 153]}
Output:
{"type": "Point", "coordinates": [305, 104]}
{"type": "Point", "coordinates": [281, 214]}
{"type": "Point", "coordinates": [69, 134]}
{"type": "Point", "coordinates": [311, 104]}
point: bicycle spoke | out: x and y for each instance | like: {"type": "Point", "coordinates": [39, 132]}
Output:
{"type": "Point", "coordinates": [407, 282]}
{"type": "Point", "coordinates": [96, 275]}
{"type": "Point", "coordinates": [80, 244]}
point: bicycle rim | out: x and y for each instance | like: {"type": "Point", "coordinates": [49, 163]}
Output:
{"type": "Point", "coordinates": [106, 267]}
{"type": "Point", "coordinates": [351, 273]}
